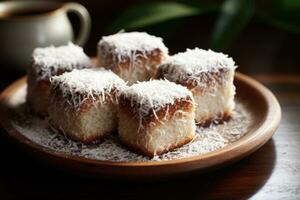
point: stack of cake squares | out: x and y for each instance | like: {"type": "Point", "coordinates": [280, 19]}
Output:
{"type": "Point", "coordinates": [135, 90]}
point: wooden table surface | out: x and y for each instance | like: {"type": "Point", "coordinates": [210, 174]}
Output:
{"type": "Point", "coordinates": [272, 172]}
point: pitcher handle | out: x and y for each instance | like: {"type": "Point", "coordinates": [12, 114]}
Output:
{"type": "Point", "coordinates": [85, 21]}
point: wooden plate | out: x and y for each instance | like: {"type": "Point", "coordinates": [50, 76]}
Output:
{"type": "Point", "coordinates": [261, 101]}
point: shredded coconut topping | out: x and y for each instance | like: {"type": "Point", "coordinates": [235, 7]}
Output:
{"type": "Point", "coordinates": [50, 60]}
{"type": "Point", "coordinates": [85, 83]}
{"type": "Point", "coordinates": [154, 95]}
{"type": "Point", "coordinates": [127, 43]}
{"type": "Point", "coordinates": [194, 64]}
{"type": "Point", "coordinates": [198, 60]}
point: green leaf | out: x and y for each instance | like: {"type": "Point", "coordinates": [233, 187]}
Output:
{"type": "Point", "coordinates": [279, 23]}
{"type": "Point", "coordinates": [285, 14]}
{"type": "Point", "coordinates": [290, 3]}
{"type": "Point", "coordinates": [147, 14]}
{"type": "Point", "coordinates": [235, 14]}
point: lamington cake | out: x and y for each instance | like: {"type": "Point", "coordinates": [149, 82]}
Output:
{"type": "Point", "coordinates": [209, 76]}
{"type": "Point", "coordinates": [47, 62]}
{"type": "Point", "coordinates": [155, 117]}
{"type": "Point", "coordinates": [134, 56]}
{"type": "Point", "coordinates": [83, 103]}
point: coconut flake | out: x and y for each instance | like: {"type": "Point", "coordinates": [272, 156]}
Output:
{"type": "Point", "coordinates": [154, 95]}
{"type": "Point", "coordinates": [78, 85]}
{"type": "Point", "coordinates": [50, 60]}
{"type": "Point", "coordinates": [126, 43]}
{"type": "Point", "coordinates": [195, 65]}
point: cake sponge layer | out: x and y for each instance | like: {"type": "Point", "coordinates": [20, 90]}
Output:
{"type": "Point", "coordinates": [134, 56]}
{"type": "Point", "coordinates": [209, 76]}
{"type": "Point", "coordinates": [84, 103]}
{"type": "Point", "coordinates": [156, 117]}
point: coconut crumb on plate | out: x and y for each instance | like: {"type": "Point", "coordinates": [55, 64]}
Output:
{"type": "Point", "coordinates": [207, 139]}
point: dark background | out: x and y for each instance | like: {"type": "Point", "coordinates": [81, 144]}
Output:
{"type": "Point", "coordinates": [258, 49]}
{"type": "Point", "coordinates": [273, 172]}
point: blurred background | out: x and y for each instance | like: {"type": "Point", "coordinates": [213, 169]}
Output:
{"type": "Point", "coordinates": [262, 36]}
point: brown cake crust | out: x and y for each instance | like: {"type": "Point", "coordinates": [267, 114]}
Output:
{"type": "Point", "coordinates": [219, 119]}
{"type": "Point", "coordinates": [208, 81]}
{"type": "Point", "coordinates": [151, 154]}
{"type": "Point", "coordinates": [57, 98]}
{"type": "Point", "coordinates": [92, 138]}
{"type": "Point", "coordinates": [84, 106]}
{"type": "Point", "coordinates": [137, 66]}
{"type": "Point", "coordinates": [185, 105]}
{"type": "Point", "coordinates": [38, 91]}
{"type": "Point", "coordinates": [37, 94]}
{"type": "Point", "coordinates": [208, 78]}
{"type": "Point", "coordinates": [149, 58]}
{"type": "Point", "coordinates": [149, 123]}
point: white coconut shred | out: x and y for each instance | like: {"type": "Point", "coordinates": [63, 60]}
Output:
{"type": "Point", "coordinates": [196, 66]}
{"type": "Point", "coordinates": [49, 60]}
{"type": "Point", "coordinates": [96, 82]}
{"type": "Point", "coordinates": [126, 43]}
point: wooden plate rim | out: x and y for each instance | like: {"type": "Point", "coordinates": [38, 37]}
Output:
{"type": "Point", "coordinates": [252, 141]}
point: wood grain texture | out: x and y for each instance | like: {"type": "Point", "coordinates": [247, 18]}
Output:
{"type": "Point", "coordinates": [272, 172]}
